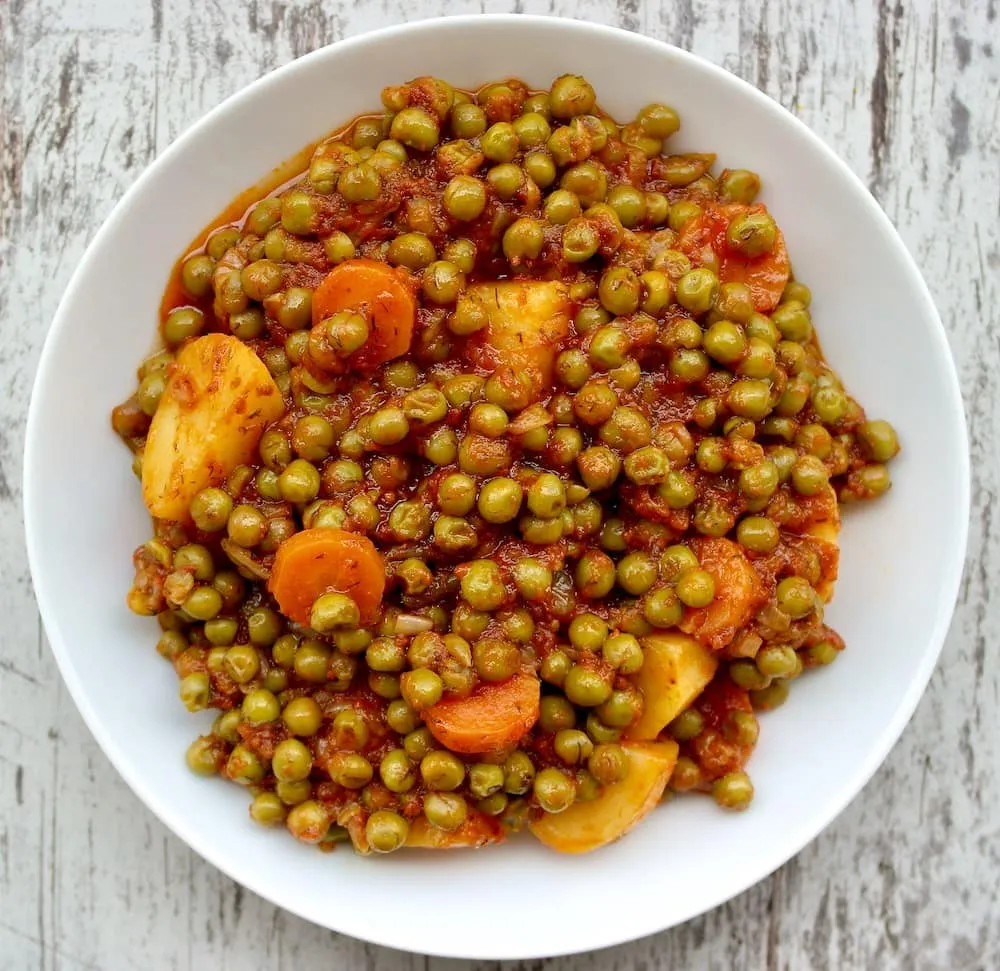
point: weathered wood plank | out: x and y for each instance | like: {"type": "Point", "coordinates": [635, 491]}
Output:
{"type": "Point", "coordinates": [908, 878]}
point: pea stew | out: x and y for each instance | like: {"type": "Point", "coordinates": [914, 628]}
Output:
{"type": "Point", "coordinates": [495, 476]}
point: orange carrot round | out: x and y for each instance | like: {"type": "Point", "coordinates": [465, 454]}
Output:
{"type": "Point", "coordinates": [703, 239]}
{"type": "Point", "coordinates": [327, 560]}
{"type": "Point", "coordinates": [493, 717]}
{"type": "Point", "coordinates": [376, 291]}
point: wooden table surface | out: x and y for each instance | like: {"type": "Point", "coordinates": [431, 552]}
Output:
{"type": "Point", "coordinates": [906, 91]}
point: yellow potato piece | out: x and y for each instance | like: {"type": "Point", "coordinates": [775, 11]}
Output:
{"type": "Point", "coordinates": [586, 826]}
{"type": "Point", "coordinates": [675, 670]}
{"type": "Point", "coordinates": [826, 531]}
{"type": "Point", "coordinates": [218, 399]}
{"type": "Point", "coordinates": [525, 323]}
{"type": "Point", "coordinates": [478, 830]}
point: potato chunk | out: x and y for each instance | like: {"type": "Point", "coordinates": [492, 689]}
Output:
{"type": "Point", "coordinates": [675, 670]}
{"type": "Point", "coordinates": [525, 323]}
{"type": "Point", "coordinates": [738, 593]}
{"type": "Point", "coordinates": [478, 830]}
{"type": "Point", "coordinates": [218, 399]}
{"type": "Point", "coordinates": [586, 826]}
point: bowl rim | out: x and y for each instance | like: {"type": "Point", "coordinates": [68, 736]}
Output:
{"type": "Point", "coordinates": [951, 573]}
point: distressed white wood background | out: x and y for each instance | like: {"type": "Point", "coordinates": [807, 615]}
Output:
{"type": "Point", "coordinates": [907, 91]}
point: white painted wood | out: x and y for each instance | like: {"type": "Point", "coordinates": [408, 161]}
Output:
{"type": "Point", "coordinates": [907, 92]}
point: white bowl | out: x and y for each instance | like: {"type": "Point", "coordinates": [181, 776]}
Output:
{"type": "Point", "coordinates": [902, 557]}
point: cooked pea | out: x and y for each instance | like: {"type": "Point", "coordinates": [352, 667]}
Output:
{"type": "Point", "coordinates": [629, 203]}
{"type": "Point", "coordinates": [662, 608]}
{"type": "Point", "coordinates": [292, 761]}
{"type": "Point", "coordinates": [540, 168]}
{"type": "Point", "coordinates": [587, 632]}
{"type": "Point", "coordinates": [677, 489]}
{"type": "Point", "coordinates": [585, 687]}
{"type": "Point", "coordinates": [725, 342]}
{"type": "Point", "coordinates": [499, 143]}
{"type": "Point", "coordinates": [523, 240]}
{"type": "Point", "coordinates": [793, 321]}
{"type": "Point", "coordinates": [561, 206]}
{"type": "Point", "coordinates": [608, 763]}
{"type": "Point", "coordinates": [759, 481]}
{"type": "Point", "coordinates": [621, 708]}
{"type": "Point", "coordinates": [571, 95]}
{"type": "Point", "coordinates": [244, 767]}
{"type": "Point", "coordinates": [696, 588]}
{"type": "Point", "coordinates": [181, 324]}
{"type": "Point", "coordinates": [386, 831]}
{"type": "Point", "coordinates": [412, 250]}
{"type": "Point", "coordinates": [445, 810]}
{"type": "Point", "coordinates": [464, 198]}
{"type": "Point", "coordinates": [776, 661]}
{"type": "Point", "coordinates": [623, 652]}
{"type": "Point", "coordinates": [620, 290]}
{"type": "Point", "coordinates": [796, 597]}
{"type": "Point", "coordinates": [415, 128]}
{"type": "Point", "coordinates": [495, 659]}
{"type": "Point", "coordinates": [547, 496]}
{"type": "Point", "coordinates": [758, 534]}
{"type": "Point", "coordinates": [636, 572]}
{"type": "Point", "coordinates": [697, 290]}
{"type": "Point", "coordinates": [733, 791]}
{"type": "Point", "coordinates": [482, 585]}
{"type": "Point", "coordinates": [580, 240]}
{"type": "Point", "coordinates": [809, 475]}
{"type": "Point", "coordinates": [749, 398]}
{"type": "Point", "coordinates": [299, 482]}
{"type": "Point", "coordinates": [879, 440]}
{"type": "Point", "coordinates": [532, 578]}
{"type": "Point", "coordinates": [500, 500]}
{"type": "Point", "coordinates": [752, 234]}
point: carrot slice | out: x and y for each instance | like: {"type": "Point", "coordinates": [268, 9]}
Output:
{"type": "Point", "coordinates": [327, 560]}
{"type": "Point", "coordinates": [703, 240]}
{"type": "Point", "coordinates": [495, 716]}
{"type": "Point", "coordinates": [377, 291]}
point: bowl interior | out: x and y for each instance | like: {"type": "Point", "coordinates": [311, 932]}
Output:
{"type": "Point", "coordinates": [900, 564]}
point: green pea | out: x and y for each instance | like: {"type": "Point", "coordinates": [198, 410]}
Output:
{"type": "Point", "coordinates": [725, 342]}
{"type": "Point", "coordinates": [495, 659]}
{"type": "Point", "coordinates": [499, 143]}
{"type": "Point", "coordinates": [482, 585]}
{"type": "Point", "coordinates": [608, 763]}
{"type": "Point", "coordinates": [793, 321]}
{"type": "Point", "coordinates": [415, 128]}
{"type": "Point", "coordinates": [196, 275]}
{"type": "Point", "coordinates": [333, 611]}
{"type": "Point", "coordinates": [500, 500]}
{"type": "Point", "coordinates": [809, 475]}
{"type": "Point", "coordinates": [388, 426]}
{"type": "Point", "coordinates": [571, 95]}
{"type": "Point", "coordinates": [658, 120]}
{"type": "Point", "coordinates": [468, 120]}
{"type": "Point", "coordinates": [547, 496]}
{"type": "Point", "coordinates": [662, 608]}
{"type": "Point", "coordinates": [733, 791]}
{"type": "Point", "coordinates": [636, 573]}
{"type": "Point", "coordinates": [687, 725]}
{"type": "Point", "coordinates": [182, 324]}
{"type": "Point", "coordinates": [243, 766]}
{"type": "Point", "coordinates": [620, 290]}
{"type": "Point", "coordinates": [752, 234]}
{"type": "Point", "coordinates": [629, 203]}
{"type": "Point", "coordinates": [695, 588]}
{"type": "Point", "coordinates": [412, 250]}
{"type": "Point", "coordinates": [445, 810]}
{"type": "Point", "coordinates": [580, 240]}
{"type": "Point", "coordinates": [532, 578]}
{"type": "Point", "coordinates": [759, 481]}
{"type": "Point", "coordinates": [587, 632]}
{"type": "Point", "coordinates": [621, 709]}
{"type": "Point", "coordinates": [749, 398]}
{"type": "Point", "coordinates": [796, 597]}
{"type": "Point", "coordinates": [758, 534]}
{"type": "Point", "coordinates": [562, 206]}
{"type": "Point", "coordinates": [464, 198]}
{"type": "Point", "coordinates": [878, 438]}
{"type": "Point", "coordinates": [585, 687]}
{"type": "Point", "coordinates": [523, 240]}
{"type": "Point", "coordinates": [386, 831]}
{"type": "Point", "coordinates": [697, 290]}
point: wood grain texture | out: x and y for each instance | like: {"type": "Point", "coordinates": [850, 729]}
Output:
{"type": "Point", "coordinates": [908, 879]}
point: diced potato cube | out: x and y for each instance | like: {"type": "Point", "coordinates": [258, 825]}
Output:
{"type": "Point", "coordinates": [738, 593]}
{"type": "Point", "coordinates": [525, 324]}
{"type": "Point", "coordinates": [217, 402]}
{"type": "Point", "coordinates": [585, 826]}
{"type": "Point", "coordinates": [478, 830]}
{"type": "Point", "coordinates": [675, 670]}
